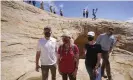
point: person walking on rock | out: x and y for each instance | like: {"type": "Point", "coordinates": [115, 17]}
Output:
{"type": "Point", "coordinates": [107, 42]}
{"type": "Point", "coordinates": [46, 52]}
{"type": "Point", "coordinates": [68, 58]}
{"type": "Point", "coordinates": [93, 57]}
{"type": "Point", "coordinates": [94, 13]}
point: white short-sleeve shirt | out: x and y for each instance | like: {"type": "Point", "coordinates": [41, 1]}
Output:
{"type": "Point", "coordinates": [48, 51]}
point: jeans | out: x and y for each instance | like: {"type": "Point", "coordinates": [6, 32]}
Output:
{"type": "Point", "coordinates": [92, 75]}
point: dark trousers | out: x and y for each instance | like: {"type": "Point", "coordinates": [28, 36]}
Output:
{"type": "Point", "coordinates": [65, 76]}
{"type": "Point", "coordinates": [106, 64]}
{"type": "Point", "coordinates": [94, 16]}
{"type": "Point", "coordinates": [86, 15]}
{"type": "Point", "coordinates": [45, 71]}
{"type": "Point", "coordinates": [90, 72]}
{"type": "Point", "coordinates": [83, 14]}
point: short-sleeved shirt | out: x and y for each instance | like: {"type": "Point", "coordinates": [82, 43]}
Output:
{"type": "Point", "coordinates": [48, 51]}
{"type": "Point", "coordinates": [91, 54]}
{"type": "Point", "coordinates": [67, 61]}
{"type": "Point", "coordinates": [106, 41]}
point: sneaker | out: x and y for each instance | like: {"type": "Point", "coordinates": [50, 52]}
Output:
{"type": "Point", "coordinates": [110, 78]}
{"type": "Point", "coordinates": [105, 76]}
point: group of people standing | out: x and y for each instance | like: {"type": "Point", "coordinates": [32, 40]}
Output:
{"type": "Point", "coordinates": [31, 2]}
{"type": "Point", "coordinates": [86, 13]}
{"type": "Point", "coordinates": [52, 10]}
{"type": "Point", "coordinates": [66, 55]}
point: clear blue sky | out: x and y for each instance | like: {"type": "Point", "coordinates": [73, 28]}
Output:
{"type": "Point", "coordinates": [116, 10]}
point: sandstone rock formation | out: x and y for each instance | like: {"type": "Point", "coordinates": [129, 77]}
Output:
{"type": "Point", "coordinates": [22, 25]}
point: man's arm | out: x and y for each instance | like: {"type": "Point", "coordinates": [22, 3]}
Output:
{"type": "Point", "coordinates": [58, 59]}
{"type": "Point", "coordinates": [56, 51]}
{"type": "Point", "coordinates": [37, 60]}
{"type": "Point", "coordinates": [98, 39]}
{"type": "Point", "coordinates": [58, 55]}
{"type": "Point", "coordinates": [98, 60]}
{"type": "Point", "coordinates": [84, 53]}
{"type": "Point", "coordinates": [112, 45]}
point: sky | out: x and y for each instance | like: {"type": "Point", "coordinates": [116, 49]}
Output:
{"type": "Point", "coordinates": [114, 10]}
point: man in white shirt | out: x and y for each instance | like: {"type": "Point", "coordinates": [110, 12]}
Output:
{"type": "Point", "coordinates": [46, 52]}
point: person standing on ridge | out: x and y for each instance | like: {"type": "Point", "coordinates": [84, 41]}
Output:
{"type": "Point", "coordinates": [34, 3]}
{"type": "Point", "coordinates": [87, 13]}
{"type": "Point", "coordinates": [61, 13]}
{"type": "Point", "coordinates": [84, 12]}
{"type": "Point", "coordinates": [42, 5]}
{"type": "Point", "coordinates": [51, 8]}
{"type": "Point", "coordinates": [54, 11]}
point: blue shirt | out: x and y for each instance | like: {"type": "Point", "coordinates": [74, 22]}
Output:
{"type": "Point", "coordinates": [106, 41]}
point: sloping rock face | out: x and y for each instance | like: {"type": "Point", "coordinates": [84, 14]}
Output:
{"type": "Point", "coordinates": [22, 25]}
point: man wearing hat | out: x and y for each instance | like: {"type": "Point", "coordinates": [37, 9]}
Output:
{"type": "Point", "coordinates": [107, 41]}
{"type": "Point", "coordinates": [46, 52]}
{"type": "Point", "coordinates": [68, 58]}
{"type": "Point", "coordinates": [93, 57]}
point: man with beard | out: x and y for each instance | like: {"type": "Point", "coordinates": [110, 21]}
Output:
{"type": "Point", "coordinates": [46, 52]}
{"type": "Point", "coordinates": [107, 41]}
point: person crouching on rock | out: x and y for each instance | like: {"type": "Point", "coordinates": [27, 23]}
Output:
{"type": "Point", "coordinates": [46, 51]}
{"type": "Point", "coordinates": [93, 57]}
{"type": "Point", "coordinates": [68, 58]}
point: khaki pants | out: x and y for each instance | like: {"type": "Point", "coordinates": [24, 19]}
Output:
{"type": "Point", "coordinates": [105, 64]}
{"type": "Point", "coordinates": [45, 71]}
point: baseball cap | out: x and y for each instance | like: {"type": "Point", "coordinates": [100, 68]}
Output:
{"type": "Point", "coordinates": [91, 33]}
{"type": "Point", "coordinates": [47, 27]}
{"type": "Point", "coordinates": [66, 34]}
